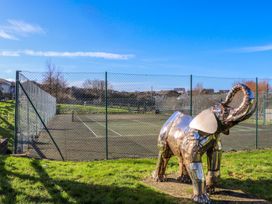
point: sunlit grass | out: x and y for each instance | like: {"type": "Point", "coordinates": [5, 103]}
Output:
{"type": "Point", "coordinates": [118, 181]}
{"type": "Point", "coordinates": [7, 121]}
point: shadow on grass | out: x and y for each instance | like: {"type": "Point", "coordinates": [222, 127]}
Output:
{"type": "Point", "coordinates": [252, 191]}
{"type": "Point", "coordinates": [7, 193]}
{"type": "Point", "coordinates": [261, 188]}
{"type": "Point", "coordinates": [67, 191]}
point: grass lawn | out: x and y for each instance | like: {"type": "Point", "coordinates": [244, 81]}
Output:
{"type": "Point", "coordinates": [68, 108]}
{"type": "Point", "coordinates": [7, 121]}
{"type": "Point", "coordinates": [25, 180]}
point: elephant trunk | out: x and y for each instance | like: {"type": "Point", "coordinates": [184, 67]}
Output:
{"type": "Point", "coordinates": [245, 109]}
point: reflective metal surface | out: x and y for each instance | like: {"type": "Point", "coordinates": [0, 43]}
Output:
{"type": "Point", "coordinates": [189, 139]}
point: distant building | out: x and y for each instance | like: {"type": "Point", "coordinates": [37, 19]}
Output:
{"type": "Point", "coordinates": [223, 91]}
{"type": "Point", "coordinates": [7, 89]}
{"type": "Point", "coordinates": [180, 90]}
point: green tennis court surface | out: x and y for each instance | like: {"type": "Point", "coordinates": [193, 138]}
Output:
{"type": "Point", "coordinates": [129, 135]}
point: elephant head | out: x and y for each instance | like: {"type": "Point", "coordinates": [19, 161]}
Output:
{"type": "Point", "coordinates": [222, 116]}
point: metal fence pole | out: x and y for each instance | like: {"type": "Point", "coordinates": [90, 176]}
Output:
{"type": "Point", "coordinates": [264, 108]}
{"type": "Point", "coordinates": [191, 94]}
{"type": "Point", "coordinates": [257, 112]}
{"type": "Point", "coordinates": [16, 116]}
{"type": "Point", "coordinates": [106, 114]}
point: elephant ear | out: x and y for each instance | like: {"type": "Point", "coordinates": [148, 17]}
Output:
{"type": "Point", "coordinates": [205, 122]}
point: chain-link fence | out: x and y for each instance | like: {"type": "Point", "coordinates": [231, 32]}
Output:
{"type": "Point", "coordinates": [89, 116]}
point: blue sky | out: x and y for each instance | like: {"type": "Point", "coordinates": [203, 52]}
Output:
{"type": "Point", "coordinates": [210, 38]}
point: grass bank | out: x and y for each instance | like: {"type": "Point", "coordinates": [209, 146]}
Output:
{"type": "Point", "coordinates": [7, 121]}
{"type": "Point", "coordinates": [25, 180]}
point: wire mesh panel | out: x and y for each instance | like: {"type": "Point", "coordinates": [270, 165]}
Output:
{"type": "Point", "coordinates": [85, 104]}
{"type": "Point", "coordinates": [89, 116]}
{"type": "Point", "coordinates": [264, 137]}
{"type": "Point", "coordinates": [67, 103]}
{"type": "Point", "coordinates": [36, 108]}
{"type": "Point", "coordinates": [138, 106]}
{"type": "Point", "coordinates": [208, 91]}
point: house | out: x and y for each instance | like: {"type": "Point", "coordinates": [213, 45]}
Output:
{"type": "Point", "coordinates": [7, 89]}
{"type": "Point", "coordinates": [223, 91]}
{"type": "Point", "coordinates": [180, 90]}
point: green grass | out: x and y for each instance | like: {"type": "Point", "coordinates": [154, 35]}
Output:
{"type": "Point", "coordinates": [68, 108]}
{"type": "Point", "coordinates": [261, 122]}
{"type": "Point", "coordinates": [7, 121]}
{"type": "Point", "coordinates": [25, 180]}
{"type": "Point", "coordinates": [250, 171]}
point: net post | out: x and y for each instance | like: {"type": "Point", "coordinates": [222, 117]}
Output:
{"type": "Point", "coordinates": [257, 112]}
{"type": "Point", "coordinates": [106, 115]}
{"type": "Point", "coordinates": [191, 95]}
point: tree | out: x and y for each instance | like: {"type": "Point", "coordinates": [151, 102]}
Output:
{"type": "Point", "coordinates": [95, 87]}
{"type": "Point", "coordinates": [263, 86]}
{"type": "Point", "coordinates": [49, 76]}
{"type": "Point", "coordinates": [54, 83]}
{"type": "Point", "coordinates": [198, 88]}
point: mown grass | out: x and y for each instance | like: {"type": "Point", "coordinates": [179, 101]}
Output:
{"type": "Point", "coordinates": [250, 171]}
{"type": "Point", "coordinates": [68, 108]}
{"type": "Point", "coordinates": [25, 180]}
{"type": "Point", "coordinates": [7, 121]}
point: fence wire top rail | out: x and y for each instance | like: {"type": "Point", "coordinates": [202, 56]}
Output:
{"type": "Point", "coordinates": [154, 75]}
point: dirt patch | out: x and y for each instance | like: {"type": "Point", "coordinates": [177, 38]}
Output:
{"type": "Point", "coordinates": [184, 192]}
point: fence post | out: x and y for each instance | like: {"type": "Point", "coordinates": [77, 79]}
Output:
{"type": "Point", "coordinates": [257, 112]}
{"type": "Point", "coordinates": [106, 114]}
{"type": "Point", "coordinates": [191, 95]}
{"type": "Point", "coordinates": [16, 116]}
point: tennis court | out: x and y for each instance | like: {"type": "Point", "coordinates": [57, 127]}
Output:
{"type": "Point", "coordinates": [74, 115]}
{"type": "Point", "coordinates": [129, 135]}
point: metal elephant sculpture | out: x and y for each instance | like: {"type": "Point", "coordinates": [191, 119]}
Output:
{"type": "Point", "coordinates": [189, 139]}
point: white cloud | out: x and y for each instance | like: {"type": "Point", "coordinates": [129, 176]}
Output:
{"type": "Point", "coordinates": [23, 27]}
{"type": "Point", "coordinates": [104, 55]}
{"type": "Point", "coordinates": [14, 29]}
{"type": "Point", "coordinates": [7, 36]}
{"type": "Point", "coordinates": [9, 54]}
{"type": "Point", "coordinates": [261, 48]}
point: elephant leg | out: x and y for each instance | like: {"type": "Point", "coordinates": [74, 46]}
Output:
{"type": "Point", "coordinates": [163, 158]}
{"type": "Point", "coordinates": [196, 173]}
{"type": "Point", "coordinates": [214, 160]}
{"type": "Point", "coordinates": [183, 174]}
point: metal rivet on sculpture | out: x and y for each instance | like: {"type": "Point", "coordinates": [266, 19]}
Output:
{"type": "Point", "coordinates": [189, 139]}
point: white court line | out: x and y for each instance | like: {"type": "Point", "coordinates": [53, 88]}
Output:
{"type": "Point", "coordinates": [105, 126]}
{"type": "Point", "coordinates": [147, 123]}
{"type": "Point", "coordinates": [130, 136]}
{"type": "Point", "coordinates": [88, 127]}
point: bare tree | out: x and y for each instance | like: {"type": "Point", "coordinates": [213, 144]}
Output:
{"type": "Point", "coordinates": [49, 76]}
{"type": "Point", "coordinates": [198, 88]}
{"type": "Point", "coordinates": [54, 83]}
{"type": "Point", "coordinates": [95, 87]}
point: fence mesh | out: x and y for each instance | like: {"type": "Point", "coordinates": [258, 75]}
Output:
{"type": "Point", "coordinates": [90, 116]}
{"type": "Point", "coordinates": [33, 98]}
